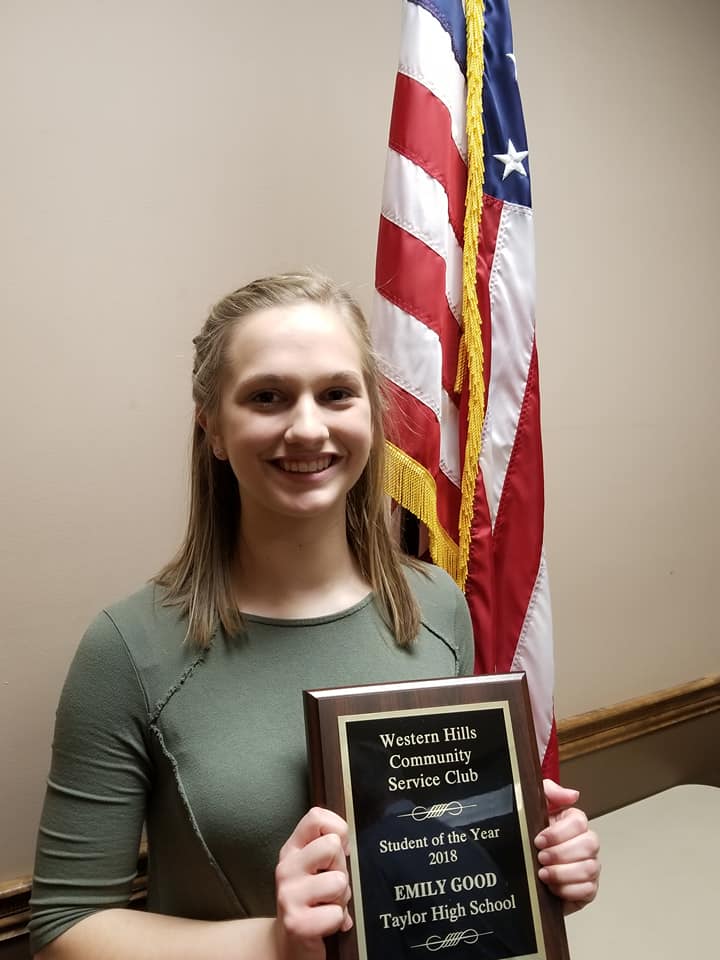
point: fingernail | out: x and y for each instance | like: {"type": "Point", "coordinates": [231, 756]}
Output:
{"type": "Point", "coordinates": [544, 856]}
{"type": "Point", "coordinates": [543, 873]}
{"type": "Point", "coordinates": [540, 841]}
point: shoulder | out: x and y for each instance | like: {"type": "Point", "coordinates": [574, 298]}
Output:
{"type": "Point", "coordinates": [145, 636]}
{"type": "Point", "coordinates": [103, 689]}
{"type": "Point", "coordinates": [443, 610]}
{"type": "Point", "coordinates": [144, 617]}
{"type": "Point", "coordinates": [434, 588]}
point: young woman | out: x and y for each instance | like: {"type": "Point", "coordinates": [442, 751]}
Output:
{"type": "Point", "coordinates": [182, 708]}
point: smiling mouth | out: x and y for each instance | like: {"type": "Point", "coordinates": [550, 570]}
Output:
{"type": "Point", "coordinates": [305, 466]}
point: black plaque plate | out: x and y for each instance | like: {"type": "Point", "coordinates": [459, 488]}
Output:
{"type": "Point", "coordinates": [440, 784]}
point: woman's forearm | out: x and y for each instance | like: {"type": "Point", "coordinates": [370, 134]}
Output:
{"type": "Point", "coordinates": [133, 935]}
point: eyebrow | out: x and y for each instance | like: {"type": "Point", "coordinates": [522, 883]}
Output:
{"type": "Point", "coordinates": [274, 379]}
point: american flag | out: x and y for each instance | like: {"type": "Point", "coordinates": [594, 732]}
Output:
{"type": "Point", "coordinates": [454, 325]}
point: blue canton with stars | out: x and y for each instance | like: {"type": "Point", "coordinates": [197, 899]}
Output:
{"type": "Point", "coordinates": [504, 136]}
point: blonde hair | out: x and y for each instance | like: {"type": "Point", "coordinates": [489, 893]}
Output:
{"type": "Point", "coordinates": [199, 578]}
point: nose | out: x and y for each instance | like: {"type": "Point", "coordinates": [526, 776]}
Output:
{"type": "Point", "coordinates": [307, 423]}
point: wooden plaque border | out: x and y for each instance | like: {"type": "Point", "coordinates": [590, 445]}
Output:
{"type": "Point", "coordinates": [323, 708]}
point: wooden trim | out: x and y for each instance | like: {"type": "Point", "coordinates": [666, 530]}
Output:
{"type": "Point", "coordinates": [577, 736]}
{"type": "Point", "coordinates": [624, 721]}
{"type": "Point", "coordinates": [14, 908]}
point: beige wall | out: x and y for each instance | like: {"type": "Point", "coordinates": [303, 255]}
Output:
{"type": "Point", "coordinates": [157, 153]}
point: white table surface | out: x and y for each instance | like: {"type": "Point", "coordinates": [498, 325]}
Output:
{"type": "Point", "coordinates": [659, 893]}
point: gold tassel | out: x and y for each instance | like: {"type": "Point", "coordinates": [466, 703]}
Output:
{"type": "Point", "coordinates": [471, 355]}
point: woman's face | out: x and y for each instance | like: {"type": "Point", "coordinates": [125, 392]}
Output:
{"type": "Point", "coordinates": [294, 420]}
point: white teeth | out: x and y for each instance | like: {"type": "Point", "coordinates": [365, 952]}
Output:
{"type": "Point", "coordinates": [305, 466]}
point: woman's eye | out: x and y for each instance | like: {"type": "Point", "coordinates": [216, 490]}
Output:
{"type": "Point", "coordinates": [338, 394]}
{"type": "Point", "coordinates": [265, 398]}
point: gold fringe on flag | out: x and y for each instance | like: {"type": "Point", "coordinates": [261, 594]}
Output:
{"type": "Point", "coordinates": [471, 352]}
{"type": "Point", "coordinates": [413, 487]}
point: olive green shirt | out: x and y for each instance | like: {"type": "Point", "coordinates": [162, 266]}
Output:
{"type": "Point", "coordinates": [207, 749]}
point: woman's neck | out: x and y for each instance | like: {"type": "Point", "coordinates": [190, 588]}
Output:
{"type": "Point", "coordinates": [295, 569]}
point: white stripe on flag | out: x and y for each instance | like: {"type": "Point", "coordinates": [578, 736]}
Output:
{"type": "Point", "coordinates": [409, 354]}
{"type": "Point", "coordinates": [512, 284]}
{"type": "Point", "coordinates": [534, 655]}
{"type": "Point", "coordinates": [427, 56]}
{"type": "Point", "coordinates": [417, 203]}
{"type": "Point", "coordinates": [449, 446]}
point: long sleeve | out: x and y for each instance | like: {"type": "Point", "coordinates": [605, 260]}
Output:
{"type": "Point", "coordinates": [97, 787]}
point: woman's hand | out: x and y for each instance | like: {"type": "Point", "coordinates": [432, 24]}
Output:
{"type": "Point", "coordinates": [312, 886]}
{"type": "Point", "coordinates": [568, 849]}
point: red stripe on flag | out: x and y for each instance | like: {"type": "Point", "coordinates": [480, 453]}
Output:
{"type": "Point", "coordinates": [420, 130]}
{"type": "Point", "coordinates": [414, 428]}
{"type": "Point", "coordinates": [551, 760]}
{"type": "Point", "coordinates": [518, 529]}
{"type": "Point", "coordinates": [412, 276]}
{"type": "Point", "coordinates": [480, 582]}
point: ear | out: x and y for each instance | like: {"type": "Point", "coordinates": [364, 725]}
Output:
{"type": "Point", "coordinates": [213, 438]}
{"type": "Point", "coordinates": [201, 419]}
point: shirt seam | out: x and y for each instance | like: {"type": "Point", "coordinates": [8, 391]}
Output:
{"type": "Point", "coordinates": [153, 730]}
{"type": "Point", "coordinates": [230, 892]}
{"type": "Point", "coordinates": [133, 664]}
{"type": "Point", "coordinates": [448, 643]}
{"type": "Point", "coordinates": [311, 621]}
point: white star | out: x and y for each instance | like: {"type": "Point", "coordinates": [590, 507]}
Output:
{"type": "Point", "coordinates": [511, 56]}
{"type": "Point", "coordinates": [512, 160]}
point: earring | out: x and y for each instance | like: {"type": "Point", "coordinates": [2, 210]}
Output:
{"type": "Point", "coordinates": [219, 453]}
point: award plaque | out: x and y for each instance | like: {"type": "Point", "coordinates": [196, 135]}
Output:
{"type": "Point", "coordinates": [440, 784]}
